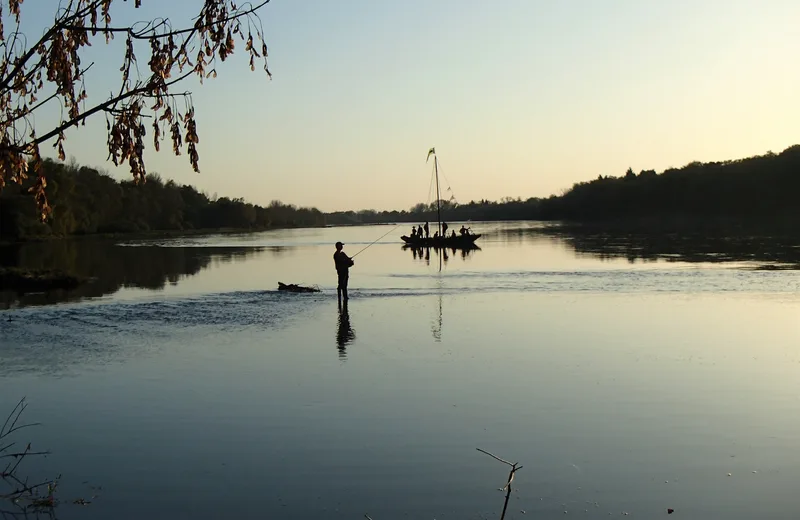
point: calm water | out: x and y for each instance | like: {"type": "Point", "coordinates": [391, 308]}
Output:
{"type": "Point", "coordinates": [627, 375]}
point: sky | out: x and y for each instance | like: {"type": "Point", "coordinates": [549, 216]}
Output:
{"type": "Point", "coordinates": [520, 98]}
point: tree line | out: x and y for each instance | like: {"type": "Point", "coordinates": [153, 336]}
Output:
{"type": "Point", "coordinates": [764, 187]}
{"type": "Point", "coordinates": [86, 201]}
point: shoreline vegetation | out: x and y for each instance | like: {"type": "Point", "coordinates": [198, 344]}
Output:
{"type": "Point", "coordinates": [755, 195]}
{"type": "Point", "coordinates": [756, 192]}
{"type": "Point", "coordinates": [88, 202]}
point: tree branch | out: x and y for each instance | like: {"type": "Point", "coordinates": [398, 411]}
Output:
{"type": "Point", "coordinates": [20, 62]}
{"type": "Point", "coordinates": [149, 32]}
{"type": "Point", "coordinates": [101, 107]}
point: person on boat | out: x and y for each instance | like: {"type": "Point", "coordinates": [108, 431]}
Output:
{"type": "Point", "coordinates": [454, 234]}
{"type": "Point", "coordinates": [414, 232]}
{"type": "Point", "coordinates": [463, 230]}
{"type": "Point", "coordinates": [444, 229]}
{"type": "Point", "coordinates": [427, 233]}
{"type": "Point", "coordinates": [343, 264]}
{"type": "Point", "coordinates": [436, 235]}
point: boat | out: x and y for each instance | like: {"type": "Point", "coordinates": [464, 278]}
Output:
{"type": "Point", "coordinates": [457, 242]}
{"type": "Point", "coordinates": [463, 240]}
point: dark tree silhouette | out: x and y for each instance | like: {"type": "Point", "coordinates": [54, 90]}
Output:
{"type": "Point", "coordinates": [85, 201]}
{"type": "Point", "coordinates": [39, 71]}
{"type": "Point", "coordinates": [763, 190]}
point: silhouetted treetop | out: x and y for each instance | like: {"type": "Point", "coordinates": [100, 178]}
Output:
{"type": "Point", "coordinates": [86, 201]}
{"type": "Point", "coordinates": [766, 186]}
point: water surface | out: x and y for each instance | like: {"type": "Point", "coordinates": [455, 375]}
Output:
{"type": "Point", "coordinates": [625, 379]}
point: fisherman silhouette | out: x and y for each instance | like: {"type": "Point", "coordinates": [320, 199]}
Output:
{"type": "Point", "coordinates": [343, 264]}
{"type": "Point", "coordinates": [427, 233]}
{"type": "Point", "coordinates": [444, 229]}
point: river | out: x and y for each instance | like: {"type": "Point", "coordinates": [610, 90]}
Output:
{"type": "Point", "coordinates": [628, 375]}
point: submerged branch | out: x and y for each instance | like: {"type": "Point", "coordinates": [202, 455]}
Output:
{"type": "Point", "coordinates": [497, 458]}
{"type": "Point", "coordinates": [507, 487]}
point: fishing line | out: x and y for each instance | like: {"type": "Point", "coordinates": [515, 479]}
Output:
{"type": "Point", "coordinates": [372, 243]}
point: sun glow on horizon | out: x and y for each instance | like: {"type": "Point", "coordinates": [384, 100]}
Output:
{"type": "Point", "coordinates": [520, 99]}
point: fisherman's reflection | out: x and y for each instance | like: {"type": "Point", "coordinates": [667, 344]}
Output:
{"type": "Point", "coordinates": [344, 332]}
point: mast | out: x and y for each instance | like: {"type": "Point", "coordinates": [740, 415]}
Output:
{"type": "Point", "coordinates": [438, 198]}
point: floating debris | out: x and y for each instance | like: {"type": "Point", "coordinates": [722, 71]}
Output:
{"type": "Point", "coordinates": [293, 287]}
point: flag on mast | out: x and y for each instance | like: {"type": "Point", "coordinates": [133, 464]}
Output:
{"type": "Point", "coordinates": [432, 150]}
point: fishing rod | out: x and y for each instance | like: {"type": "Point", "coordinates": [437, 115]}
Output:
{"type": "Point", "coordinates": [372, 243]}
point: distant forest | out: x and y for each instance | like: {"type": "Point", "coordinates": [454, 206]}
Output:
{"type": "Point", "coordinates": [86, 201]}
{"type": "Point", "coordinates": [763, 188]}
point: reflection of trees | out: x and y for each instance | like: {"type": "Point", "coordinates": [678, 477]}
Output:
{"type": "Point", "coordinates": [110, 266]}
{"type": "Point", "coordinates": [681, 247]}
{"type": "Point", "coordinates": [517, 236]}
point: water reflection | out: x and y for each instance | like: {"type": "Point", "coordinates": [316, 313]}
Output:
{"type": "Point", "coordinates": [110, 267]}
{"type": "Point", "coordinates": [18, 510]}
{"type": "Point", "coordinates": [518, 235]}
{"type": "Point", "coordinates": [776, 251]}
{"type": "Point", "coordinates": [443, 254]}
{"type": "Point", "coordinates": [436, 328]}
{"type": "Point", "coordinates": [344, 331]}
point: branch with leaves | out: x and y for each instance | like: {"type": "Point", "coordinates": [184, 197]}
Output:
{"type": "Point", "coordinates": [48, 71]}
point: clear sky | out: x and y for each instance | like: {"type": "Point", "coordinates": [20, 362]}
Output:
{"type": "Point", "coordinates": [519, 97]}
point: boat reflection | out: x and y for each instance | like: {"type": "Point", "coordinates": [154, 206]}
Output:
{"type": "Point", "coordinates": [436, 327]}
{"type": "Point", "coordinates": [444, 253]}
